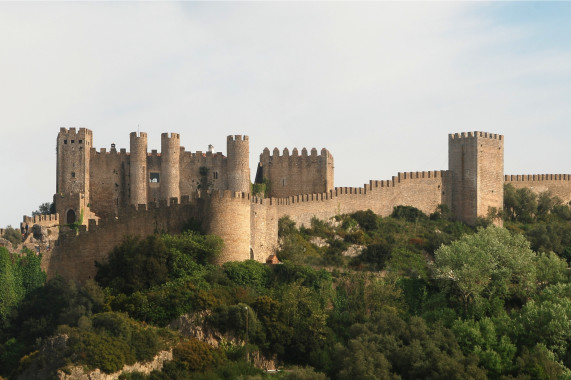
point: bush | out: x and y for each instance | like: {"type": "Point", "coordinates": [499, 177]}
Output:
{"type": "Point", "coordinates": [13, 235]}
{"type": "Point", "coordinates": [408, 213]}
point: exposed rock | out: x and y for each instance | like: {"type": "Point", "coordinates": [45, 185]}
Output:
{"type": "Point", "coordinates": [78, 373]}
{"type": "Point", "coordinates": [319, 241]}
{"type": "Point", "coordinates": [353, 250]}
{"type": "Point", "coordinates": [194, 326]}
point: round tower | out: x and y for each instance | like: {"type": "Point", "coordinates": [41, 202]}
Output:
{"type": "Point", "coordinates": [238, 148]}
{"type": "Point", "coordinates": [227, 215]}
{"type": "Point", "coordinates": [170, 166]}
{"type": "Point", "coordinates": [138, 168]}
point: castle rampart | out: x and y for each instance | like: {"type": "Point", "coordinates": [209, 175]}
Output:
{"type": "Point", "coordinates": [140, 193]}
{"type": "Point", "coordinates": [558, 185]}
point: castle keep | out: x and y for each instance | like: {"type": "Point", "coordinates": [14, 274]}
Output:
{"type": "Point", "coordinates": [110, 194]}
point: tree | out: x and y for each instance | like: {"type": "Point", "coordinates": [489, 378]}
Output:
{"type": "Point", "coordinates": [491, 263]}
{"type": "Point", "coordinates": [45, 208]}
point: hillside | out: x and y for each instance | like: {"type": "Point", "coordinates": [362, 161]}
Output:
{"type": "Point", "coordinates": [357, 297]}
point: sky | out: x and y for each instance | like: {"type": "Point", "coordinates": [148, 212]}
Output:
{"type": "Point", "coordinates": [379, 84]}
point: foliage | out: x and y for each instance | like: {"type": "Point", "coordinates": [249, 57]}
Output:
{"type": "Point", "coordinates": [45, 208]}
{"type": "Point", "coordinates": [491, 263]}
{"type": "Point", "coordinates": [13, 235]}
{"type": "Point", "coordinates": [139, 264]}
{"type": "Point", "coordinates": [20, 275]}
{"type": "Point", "coordinates": [426, 298]}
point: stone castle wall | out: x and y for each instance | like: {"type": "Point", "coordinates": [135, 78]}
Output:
{"type": "Point", "coordinates": [224, 214]}
{"type": "Point", "coordinates": [558, 185]}
{"type": "Point", "coordinates": [296, 173]}
{"type": "Point", "coordinates": [214, 190]}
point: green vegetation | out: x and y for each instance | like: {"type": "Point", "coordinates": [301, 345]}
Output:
{"type": "Point", "coordinates": [13, 235]}
{"type": "Point", "coordinates": [408, 296]}
{"type": "Point", "coordinates": [45, 208]}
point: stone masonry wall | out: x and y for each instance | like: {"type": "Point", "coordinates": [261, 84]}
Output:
{"type": "Point", "coordinates": [296, 174]}
{"type": "Point", "coordinates": [223, 214]}
{"type": "Point", "coordinates": [558, 184]}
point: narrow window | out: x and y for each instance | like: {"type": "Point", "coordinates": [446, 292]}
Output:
{"type": "Point", "coordinates": [72, 174]}
{"type": "Point", "coordinates": [154, 178]}
{"type": "Point", "coordinates": [215, 175]}
{"type": "Point", "coordinates": [65, 141]}
{"type": "Point", "coordinates": [283, 182]}
{"type": "Point", "coordinates": [81, 141]}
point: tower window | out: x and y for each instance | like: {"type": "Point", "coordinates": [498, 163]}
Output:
{"type": "Point", "coordinates": [283, 181]}
{"type": "Point", "coordinates": [80, 141]}
{"type": "Point", "coordinates": [65, 141]}
{"type": "Point", "coordinates": [154, 178]}
{"type": "Point", "coordinates": [72, 174]}
{"type": "Point", "coordinates": [72, 141]}
{"type": "Point", "coordinates": [215, 174]}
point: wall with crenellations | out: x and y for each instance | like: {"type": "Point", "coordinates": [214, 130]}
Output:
{"type": "Point", "coordinates": [558, 185]}
{"type": "Point", "coordinates": [119, 196]}
{"type": "Point", "coordinates": [225, 214]}
{"type": "Point", "coordinates": [296, 173]}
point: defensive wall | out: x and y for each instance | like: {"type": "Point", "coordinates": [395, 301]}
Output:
{"type": "Point", "coordinates": [558, 185]}
{"type": "Point", "coordinates": [122, 193]}
{"type": "Point", "coordinates": [225, 214]}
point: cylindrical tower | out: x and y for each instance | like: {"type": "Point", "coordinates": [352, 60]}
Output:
{"type": "Point", "coordinates": [138, 168]}
{"type": "Point", "coordinates": [170, 166]}
{"type": "Point", "coordinates": [238, 148]}
{"type": "Point", "coordinates": [228, 215]}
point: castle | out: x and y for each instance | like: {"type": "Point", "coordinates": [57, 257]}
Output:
{"type": "Point", "coordinates": [111, 194]}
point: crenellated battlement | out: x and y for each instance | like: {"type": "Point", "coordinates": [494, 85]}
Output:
{"type": "Point", "coordinates": [137, 135]}
{"type": "Point", "coordinates": [237, 138]}
{"type": "Point", "coordinates": [537, 177]}
{"type": "Point", "coordinates": [169, 136]}
{"type": "Point", "coordinates": [295, 153]}
{"type": "Point", "coordinates": [75, 131]}
{"type": "Point", "coordinates": [475, 134]}
{"type": "Point", "coordinates": [43, 220]}
{"type": "Point", "coordinates": [103, 152]}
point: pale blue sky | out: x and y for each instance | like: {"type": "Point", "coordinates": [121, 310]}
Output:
{"type": "Point", "coordinates": [378, 84]}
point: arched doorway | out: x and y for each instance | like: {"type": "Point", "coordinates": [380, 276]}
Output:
{"type": "Point", "coordinates": [70, 217]}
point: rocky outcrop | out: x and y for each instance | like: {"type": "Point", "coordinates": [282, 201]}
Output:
{"type": "Point", "coordinates": [78, 373]}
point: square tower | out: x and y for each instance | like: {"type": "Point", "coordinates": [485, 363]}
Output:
{"type": "Point", "coordinates": [476, 162]}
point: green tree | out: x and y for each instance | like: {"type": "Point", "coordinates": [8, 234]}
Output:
{"type": "Point", "coordinates": [13, 235]}
{"type": "Point", "coordinates": [491, 263]}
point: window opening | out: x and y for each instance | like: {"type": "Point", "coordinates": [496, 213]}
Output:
{"type": "Point", "coordinates": [154, 178]}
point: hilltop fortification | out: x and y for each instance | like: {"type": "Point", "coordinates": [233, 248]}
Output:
{"type": "Point", "coordinates": [107, 195]}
